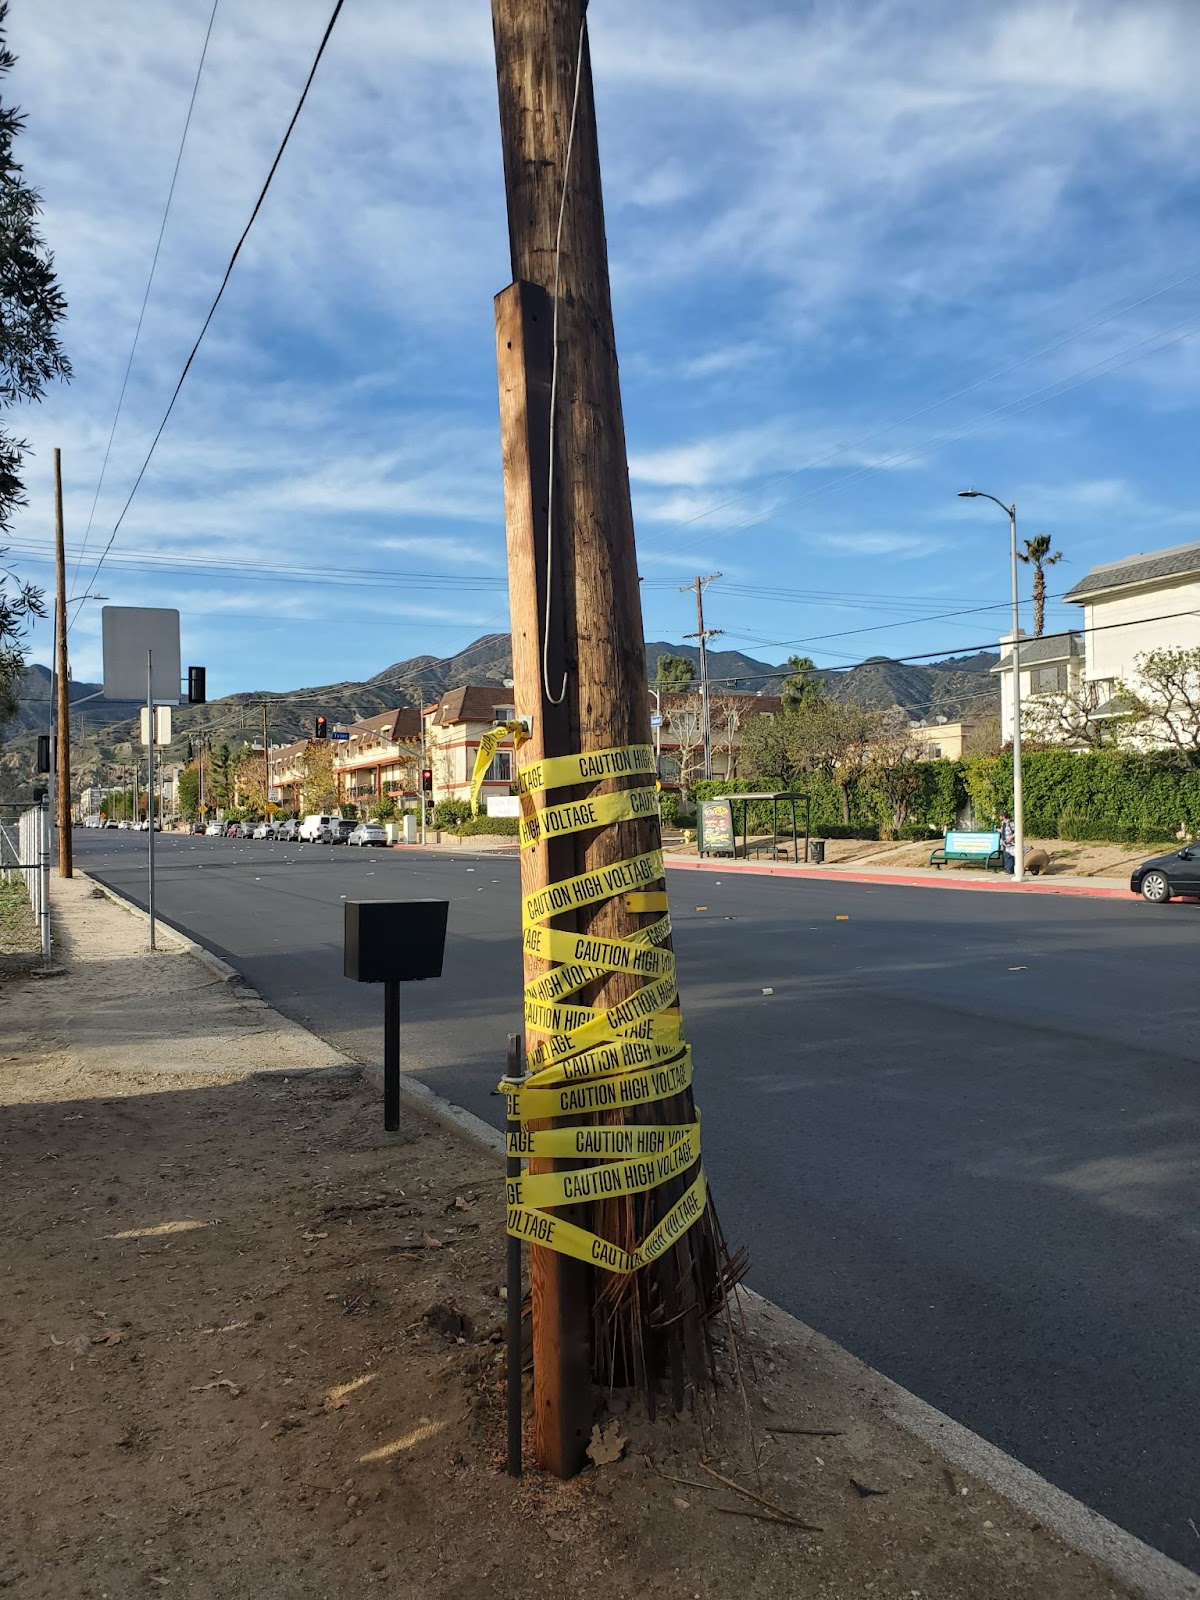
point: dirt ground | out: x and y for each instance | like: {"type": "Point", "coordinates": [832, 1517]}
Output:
{"type": "Point", "coordinates": [252, 1349]}
{"type": "Point", "coordinates": [1066, 857]}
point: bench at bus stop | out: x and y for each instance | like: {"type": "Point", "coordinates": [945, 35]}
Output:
{"type": "Point", "coordinates": [980, 849]}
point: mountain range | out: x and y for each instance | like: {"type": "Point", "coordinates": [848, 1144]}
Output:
{"type": "Point", "coordinates": [950, 689]}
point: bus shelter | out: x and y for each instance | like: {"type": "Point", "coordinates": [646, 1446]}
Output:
{"type": "Point", "coordinates": [717, 824]}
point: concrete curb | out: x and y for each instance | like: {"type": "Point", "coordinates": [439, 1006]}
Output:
{"type": "Point", "coordinates": [908, 880]}
{"type": "Point", "coordinates": [1143, 1568]}
{"type": "Point", "coordinates": [1146, 1570]}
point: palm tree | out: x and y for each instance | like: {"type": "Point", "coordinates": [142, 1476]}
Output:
{"type": "Point", "coordinates": [1037, 555]}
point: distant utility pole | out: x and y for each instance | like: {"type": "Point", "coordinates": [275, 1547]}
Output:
{"type": "Point", "coordinates": [579, 672]}
{"type": "Point", "coordinates": [63, 773]}
{"type": "Point", "coordinates": [703, 634]}
{"type": "Point", "coordinates": [266, 766]}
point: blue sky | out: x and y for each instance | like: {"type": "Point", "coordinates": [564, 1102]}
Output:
{"type": "Point", "coordinates": [862, 255]}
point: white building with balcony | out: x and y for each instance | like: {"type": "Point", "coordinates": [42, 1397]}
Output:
{"type": "Point", "coordinates": [1144, 602]}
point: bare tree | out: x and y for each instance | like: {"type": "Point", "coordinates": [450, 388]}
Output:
{"type": "Point", "coordinates": [892, 764]}
{"type": "Point", "coordinates": [683, 724]}
{"type": "Point", "coordinates": [726, 715]}
{"type": "Point", "coordinates": [1070, 717]}
{"type": "Point", "coordinates": [1164, 700]}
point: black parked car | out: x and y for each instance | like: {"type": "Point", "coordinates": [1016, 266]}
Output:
{"type": "Point", "coordinates": [1161, 877]}
{"type": "Point", "coordinates": [336, 832]}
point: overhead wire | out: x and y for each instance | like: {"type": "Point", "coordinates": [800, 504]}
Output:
{"type": "Point", "coordinates": [1086, 326]}
{"type": "Point", "coordinates": [237, 250]}
{"type": "Point", "coordinates": [137, 332]}
{"type": "Point", "coordinates": [1026, 402]}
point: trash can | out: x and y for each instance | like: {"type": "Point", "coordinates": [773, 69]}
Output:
{"type": "Point", "coordinates": [816, 852]}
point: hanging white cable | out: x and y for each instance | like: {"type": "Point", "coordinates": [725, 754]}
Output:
{"type": "Point", "coordinates": [557, 699]}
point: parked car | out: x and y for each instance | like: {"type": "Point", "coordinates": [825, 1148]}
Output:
{"type": "Point", "coordinates": [1158, 879]}
{"type": "Point", "coordinates": [288, 832]}
{"type": "Point", "coordinates": [310, 828]}
{"type": "Point", "coordinates": [336, 831]}
{"type": "Point", "coordinates": [368, 833]}
{"type": "Point", "coordinates": [197, 827]}
{"type": "Point", "coordinates": [214, 830]}
{"type": "Point", "coordinates": [265, 830]}
{"type": "Point", "coordinates": [112, 823]}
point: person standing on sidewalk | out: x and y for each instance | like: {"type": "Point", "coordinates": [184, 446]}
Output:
{"type": "Point", "coordinates": [1008, 841]}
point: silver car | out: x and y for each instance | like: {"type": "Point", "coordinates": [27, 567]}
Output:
{"type": "Point", "coordinates": [368, 833]}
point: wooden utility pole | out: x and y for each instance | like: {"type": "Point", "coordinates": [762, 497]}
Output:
{"type": "Point", "coordinates": [579, 666]}
{"type": "Point", "coordinates": [63, 768]}
{"type": "Point", "coordinates": [703, 634]}
{"type": "Point", "coordinates": [266, 768]}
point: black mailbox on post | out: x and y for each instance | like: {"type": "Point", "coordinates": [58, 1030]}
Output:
{"type": "Point", "coordinates": [394, 942]}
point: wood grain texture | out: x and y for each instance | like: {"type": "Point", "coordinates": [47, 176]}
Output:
{"type": "Point", "coordinates": [595, 609]}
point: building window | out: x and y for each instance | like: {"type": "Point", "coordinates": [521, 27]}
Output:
{"type": "Point", "coordinates": [503, 713]}
{"type": "Point", "coordinates": [500, 770]}
{"type": "Point", "coordinates": [935, 752]}
{"type": "Point", "coordinates": [1049, 680]}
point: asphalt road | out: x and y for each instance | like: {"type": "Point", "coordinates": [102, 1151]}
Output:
{"type": "Point", "coordinates": [961, 1136]}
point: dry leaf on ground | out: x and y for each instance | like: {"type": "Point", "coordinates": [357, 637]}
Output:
{"type": "Point", "coordinates": [607, 1444]}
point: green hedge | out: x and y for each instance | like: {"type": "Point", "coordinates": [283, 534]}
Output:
{"type": "Point", "coordinates": [448, 813]}
{"type": "Point", "coordinates": [474, 825]}
{"type": "Point", "coordinates": [1111, 796]}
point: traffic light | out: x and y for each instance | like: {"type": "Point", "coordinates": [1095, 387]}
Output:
{"type": "Point", "coordinates": [426, 780]}
{"type": "Point", "coordinates": [197, 689]}
{"type": "Point", "coordinates": [321, 728]}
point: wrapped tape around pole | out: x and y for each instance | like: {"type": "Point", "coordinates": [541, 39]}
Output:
{"type": "Point", "coordinates": [597, 1059]}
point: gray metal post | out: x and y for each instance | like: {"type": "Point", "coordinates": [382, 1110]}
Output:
{"type": "Point", "coordinates": [1018, 776]}
{"type": "Point", "coordinates": [150, 793]}
{"type": "Point", "coordinates": [44, 821]}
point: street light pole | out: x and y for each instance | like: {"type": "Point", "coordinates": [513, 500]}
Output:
{"type": "Point", "coordinates": [1018, 784]}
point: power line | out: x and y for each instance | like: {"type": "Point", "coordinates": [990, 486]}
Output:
{"type": "Point", "coordinates": [1085, 326]}
{"type": "Point", "coordinates": [237, 250]}
{"type": "Point", "coordinates": [187, 122]}
{"type": "Point", "coordinates": [988, 645]}
{"type": "Point", "coordinates": [1026, 402]}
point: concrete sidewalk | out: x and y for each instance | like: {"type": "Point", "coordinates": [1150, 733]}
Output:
{"type": "Point", "coordinates": [918, 877]}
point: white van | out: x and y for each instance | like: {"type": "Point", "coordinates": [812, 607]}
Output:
{"type": "Point", "coordinates": [310, 828]}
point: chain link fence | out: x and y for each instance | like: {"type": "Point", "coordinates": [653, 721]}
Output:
{"type": "Point", "coordinates": [24, 887]}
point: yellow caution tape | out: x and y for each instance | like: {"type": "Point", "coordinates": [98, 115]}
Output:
{"type": "Point", "coordinates": [608, 1180]}
{"type": "Point", "coordinates": [559, 772]}
{"type": "Point", "coordinates": [600, 1144]}
{"type": "Point", "coordinates": [588, 888]}
{"type": "Point", "coordinates": [534, 1100]}
{"type": "Point", "coordinates": [554, 822]}
{"type": "Point", "coordinates": [488, 746]}
{"type": "Point", "coordinates": [651, 900]}
{"type": "Point", "coordinates": [589, 1060]}
{"type": "Point", "coordinates": [554, 1233]}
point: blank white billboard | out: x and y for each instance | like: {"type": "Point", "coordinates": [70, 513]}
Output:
{"type": "Point", "coordinates": [129, 633]}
